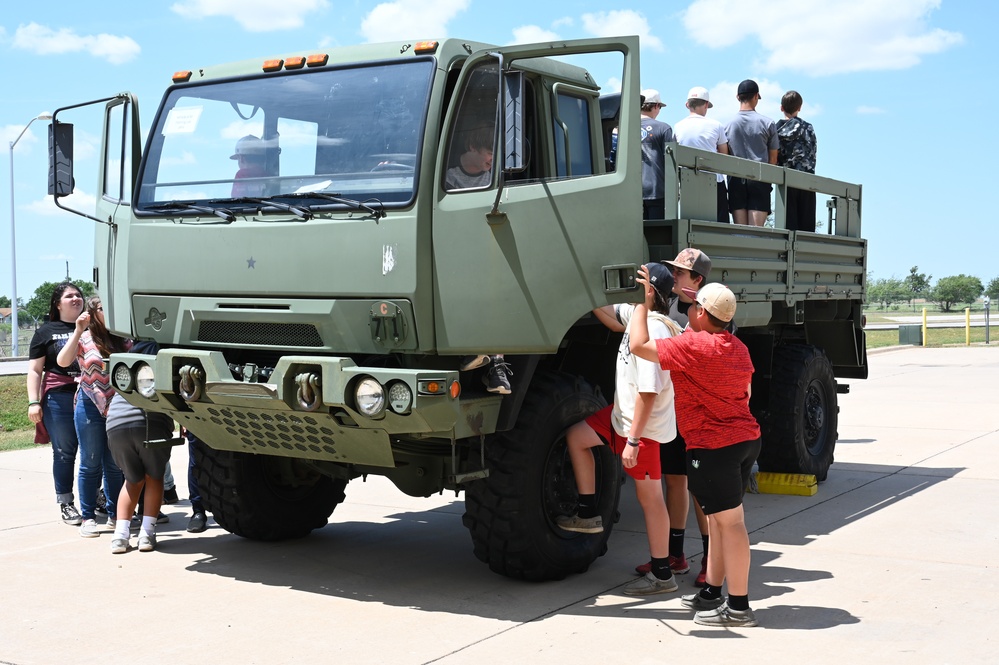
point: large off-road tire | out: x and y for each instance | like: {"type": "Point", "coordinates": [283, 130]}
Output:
{"type": "Point", "coordinates": [511, 514]}
{"type": "Point", "coordinates": [263, 497]}
{"type": "Point", "coordinates": [799, 430]}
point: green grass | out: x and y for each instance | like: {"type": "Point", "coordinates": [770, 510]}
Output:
{"type": "Point", "coordinates": [16, 431]}
{"type": "Point", "coordinates": [935, 337]}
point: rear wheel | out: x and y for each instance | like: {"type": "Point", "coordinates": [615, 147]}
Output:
{"type": "Point", "coordinates": [511, 514]}
{"type": "Point", "coordinates": [263, 497]}
{"type": "Point", "coordinates": [799, 430]}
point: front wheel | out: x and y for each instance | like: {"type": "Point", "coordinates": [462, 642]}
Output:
{"type": "Point", "coordinates": [799, 430]}
{"type": "Point", "coordinates": [511, 514]}
{"type": "Point", "coordinates": [264, 497]}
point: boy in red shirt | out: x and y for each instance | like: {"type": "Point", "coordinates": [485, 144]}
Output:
{"type": "Point", "coordinates": [712, 373]}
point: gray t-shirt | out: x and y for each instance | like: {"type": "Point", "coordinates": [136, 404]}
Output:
{"type": "Point", "coordinates": [655, 136]}
{"type": "Point", "coordinates": [752, 136]}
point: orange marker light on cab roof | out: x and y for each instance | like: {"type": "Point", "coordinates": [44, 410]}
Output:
{"type": "Point", "coordinates": [294, 62]}
{"type": "Point", "coordinates": [272, 65]}
{"type": "Point", "coordinates": [425, 47]}
{"type": "Point", "coordinates": [317, 59]}
{"type": "Point", "coordinates": [182, 77]}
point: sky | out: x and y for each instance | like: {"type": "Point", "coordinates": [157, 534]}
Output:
{"type": "Point", "coordinates": [888, 84]}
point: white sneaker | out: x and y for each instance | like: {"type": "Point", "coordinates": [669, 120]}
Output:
{"type": "Point", "coordinates": [89, 528]}
{"type": "Point", "coordinates": [147, 542]}
{"type": "Point", "coordinates": [111, 524]}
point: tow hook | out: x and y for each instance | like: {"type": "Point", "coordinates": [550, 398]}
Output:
{"type": "Point", "coordinates": [308, 391]}
{"type": "Point", "coordinates": [192, 383]}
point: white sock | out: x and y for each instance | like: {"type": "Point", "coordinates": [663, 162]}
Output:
{"type": "Point", "coordinates": [149, 524]}
{"type": "Point", "coordinates": [121, 529]}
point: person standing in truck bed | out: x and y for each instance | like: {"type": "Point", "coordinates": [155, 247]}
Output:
{"type": "Point", "coordinates": [750, 136]}
{"type": "Point", "coordinates": [797, 151]}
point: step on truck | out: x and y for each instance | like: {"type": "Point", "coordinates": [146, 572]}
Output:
{"type": "Point", "coordinates": [293, 233]}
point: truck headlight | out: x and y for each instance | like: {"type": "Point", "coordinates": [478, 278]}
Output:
{"type": "Point", "coordinates": [370, 397]}
{"type": "Point", "coordinates": [122, 378]}
{"type": "Point", "coordinates": [145, 380]}
{"type": "Point", "coordinates": [400, 397]}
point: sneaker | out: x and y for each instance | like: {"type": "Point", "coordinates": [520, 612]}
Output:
{"type": "Point", "coordinates": [170, 496]}
{"type": "Point", "coordinates": [580, 524]}
{"type": "Point", "coordinates": [726, 617]}
{"type": "Point", "coordinates": [101, 507]}
{"type": "Point", "coordinates": [474, 362]}
{"type": "Point", "coordinates": [699, 603]}
{"type": "Point", "coordinates": [162, 518]}
{"type": "Point", "coordinates": [89, 528]}
{"type": "Point", "coordinates": [70, 515]}
{"type": "Point", "coordinates": [119, 546]}
{"type": "Point", "coordinates": [702, 577]}
{"type": "Point", "coordinates": [198, 523]}
{"type": "Point", "coordinates": [147, 542]}
{"type": "Point", "coordinates": [111, 523]}
{"type": "Point", "coordinates": [649, 584]}
{"type": "Point", "coordinates": [678, 565]}
{"type": "Point", "coordinates": [497, 379]}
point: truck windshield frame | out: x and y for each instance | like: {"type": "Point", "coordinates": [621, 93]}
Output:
{"type": "Point", "coordinates": [353, 132]}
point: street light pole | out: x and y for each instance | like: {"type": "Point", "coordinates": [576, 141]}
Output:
{"type": "Point", "coordinates": [45, 115]}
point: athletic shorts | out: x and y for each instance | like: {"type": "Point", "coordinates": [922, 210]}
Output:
{"type": "Point", "coordinates": [717, 477]}
{"type": "Point", "coordinates": [748, 194]}
{"type": "Point", "coordinates": [673, 456]}
{"type": "Point", "coordinates": [648, 450]}
{"type": "Point", "coordinates": [134, 459]}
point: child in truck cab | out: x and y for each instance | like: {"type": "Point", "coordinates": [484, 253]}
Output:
{"type": "Point", "coordinates": [250, 156]}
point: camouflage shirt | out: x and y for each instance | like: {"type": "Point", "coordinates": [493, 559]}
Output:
{"type": "Point", "coordinates": [797, 145]}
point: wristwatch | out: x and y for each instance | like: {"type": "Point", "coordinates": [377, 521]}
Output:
{"type": "Point", "coordinates": [634, 441]}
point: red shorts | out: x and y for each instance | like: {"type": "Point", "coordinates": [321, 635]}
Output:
{"type": "Point", "coordinates": [648, 465]}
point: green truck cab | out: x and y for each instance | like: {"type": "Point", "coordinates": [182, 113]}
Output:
{"type": "Point", "coordinates": [312, 308]}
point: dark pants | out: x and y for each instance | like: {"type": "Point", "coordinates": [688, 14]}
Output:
{"type": "Point", "coordinates": [800, 210]}
{"type": "Point", "coordinates": [192, 482]}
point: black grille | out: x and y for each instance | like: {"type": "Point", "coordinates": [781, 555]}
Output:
{"type": "Point", "coordinates": [259, 334]}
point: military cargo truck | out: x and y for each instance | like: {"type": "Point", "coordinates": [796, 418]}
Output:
{"type": "Point", "coordinates": [312, 310]}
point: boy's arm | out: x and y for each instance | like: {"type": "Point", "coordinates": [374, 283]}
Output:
{"type": "Point", "coordinates": [640, 343]}
{"type": "Point", "coordinates": [607, 317]}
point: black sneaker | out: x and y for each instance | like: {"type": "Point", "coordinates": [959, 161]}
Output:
{"type": "Point", "coordinates": [70, 515]}
{"type": "Point", "coordinates": [101, 507]}
{"type": "Point", "coordinates": [198, 523]}
{"type": "Point", "coordinates": [170, 496]}
{"type": "Point", "coordinates": [497, 379]}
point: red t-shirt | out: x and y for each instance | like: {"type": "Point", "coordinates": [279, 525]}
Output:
{"type": "Point", "coordinates": [711, 374]}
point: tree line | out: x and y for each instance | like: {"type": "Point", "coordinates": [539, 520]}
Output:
{"type": "Point", "coordinates": [947, 293]}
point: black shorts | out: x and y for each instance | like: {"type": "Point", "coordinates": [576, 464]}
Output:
{"type": "Point", "coordinates": [749, 195]}
{"type": "Point", "coordinates": [134, 459]}
{"type": "Point", "coordinates": [718, 477]}
{"type": "Point", "coordinates": [673, 457]}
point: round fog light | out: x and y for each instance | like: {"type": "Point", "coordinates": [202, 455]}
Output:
{"type": "Point", "coordinates": [400, 397]}
{"type": "Point", "coordinates": [370, 397]}
{"type": "Point", "coordinates": [145, 381]}
{"type": "Point", "coordinates": [122, 377]}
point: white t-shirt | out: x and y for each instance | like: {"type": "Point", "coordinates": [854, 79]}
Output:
{"type": "Point", "coordinates": [635, 375]}
{"type": "Point", "coordinates": [698, 131]}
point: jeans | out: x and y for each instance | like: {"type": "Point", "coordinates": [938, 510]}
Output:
{"type": "Point", "coordinates": [192, 481]}
{"type": "Point", "coordinates": [95, 459]}
{"type": "Point", "coordinates": [57, 415]}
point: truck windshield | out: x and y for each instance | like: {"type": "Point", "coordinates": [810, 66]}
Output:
{"type": "Point", "coordinates": [353, 133]}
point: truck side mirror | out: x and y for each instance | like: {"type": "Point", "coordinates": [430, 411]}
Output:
{"type": "Point", "coordinates": [60, 159]}
{"type": "Point", "coordinates": [513, 110]}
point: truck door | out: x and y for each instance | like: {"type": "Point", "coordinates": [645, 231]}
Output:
{"type": "Point", "coordinates": [520, 255]}
{"type": "Point", "coordinates": [117, 167]}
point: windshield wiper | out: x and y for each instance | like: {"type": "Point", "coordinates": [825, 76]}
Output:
{"type": "Point", "coordinates": [179, 205]}
{"type": "Point", "coordinates": [356, 205]}
{"type": "Point", "coordinates": [304, 212]}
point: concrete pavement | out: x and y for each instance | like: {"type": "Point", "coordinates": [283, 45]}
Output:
{"type": "Point", "coordinates": [893, 561]}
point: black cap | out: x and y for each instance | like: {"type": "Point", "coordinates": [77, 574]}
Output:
{"type": "Point", "coordinates": [749, 87]}
{"type": "Point", "coordinates": [661, 279]}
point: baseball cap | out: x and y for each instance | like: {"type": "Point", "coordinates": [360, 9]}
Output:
{"type": "Point", "coordinates": [661, 279]}
{"type": "Point", "coordinates": [693, 259]}
{"type": "Point", "coordinates": [749, 87]}
{"type": "Point", "coordinates": [651, 96]}
{"type": "Point", "coordinates": [698, 92]}
{"type": "Point", "coordinates": [718, 299]}
{"type": "Point", "coordinates": [248, 145]}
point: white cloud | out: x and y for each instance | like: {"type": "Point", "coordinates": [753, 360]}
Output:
{"type": "Point", "coordinates": [529, 34]}
{"type": "Point", "coordinates": [870, 110]}
{"type": "Point", "coordinates": [822, 39]}
{"type": "Point", "coordinates": [78, 200]}
{"type": "Point", "coordinates": [613, 84]}
{"type": "Point", "coordinates": [43, 40]}
{"type": "Point", "coordinates": [411, 19]}
{"type": "Point", "coordinates": [10, 132]}
{"type": "Point", "coordinates": [565, 21]}
{"type": "Point", "coordinates": [253, 15]}
{"type": "Point", "coordinates": [621, 22]}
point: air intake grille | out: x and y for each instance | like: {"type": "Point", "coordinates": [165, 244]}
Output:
{"type": "Point", "coordinates": [273, 432]}
{"type": "Point", "coordinates": [259, 334]}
